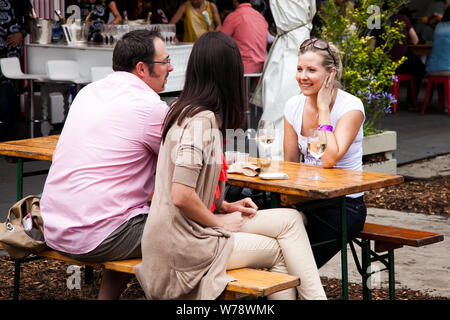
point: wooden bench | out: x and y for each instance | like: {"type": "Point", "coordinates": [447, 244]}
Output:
{"type": "Point", "coordinates": [262, 283]}
{"type": "Point", "coordinates": [249, 282]}
{"type": "Point", "coordinates": [386, 238]}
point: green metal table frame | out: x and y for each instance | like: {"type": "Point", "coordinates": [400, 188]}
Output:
{"type": "Point", "coordinates": [364, 268]}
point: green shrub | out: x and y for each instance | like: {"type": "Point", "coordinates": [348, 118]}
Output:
{"type": "Point", "coordinates": [368, 71]}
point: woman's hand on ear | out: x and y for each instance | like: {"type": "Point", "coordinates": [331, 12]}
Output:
{"type": "Point", "coordinates": [325, 94]}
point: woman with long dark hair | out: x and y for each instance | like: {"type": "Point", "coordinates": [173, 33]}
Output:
{"type": "Point", "coordinates": [186, 249]}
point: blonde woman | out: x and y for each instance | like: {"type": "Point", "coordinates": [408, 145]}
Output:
{"type": "Point", "coordinates": [341, 115]}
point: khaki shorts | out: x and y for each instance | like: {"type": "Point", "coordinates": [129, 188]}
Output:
{"type": "Point", "coordinates": [122, 243]}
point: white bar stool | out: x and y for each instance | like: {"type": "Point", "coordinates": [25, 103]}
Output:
{"type": "Point", "coordinates": [11, 69]}
{"type": "Point", "coordinates": [65, 71]}
{"type": "Point", "coordinates": [98, 73]}
{"type": "Point", "coordinates": [63, 74]}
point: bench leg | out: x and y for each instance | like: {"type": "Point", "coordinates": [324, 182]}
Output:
{"type": "Point", "coordinates": [16, 279]}
{"type": "Point", "coordinates": [366, 272]}
{"type": "Point", "coordinates": [366, 261]}
{"type": "Point", "coordinates": [391, 275]}
{"type": "Point", "coordinates": [89, 274]}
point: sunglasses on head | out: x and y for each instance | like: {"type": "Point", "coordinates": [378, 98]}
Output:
{"type": "Point", "coordinates": [318, 44]}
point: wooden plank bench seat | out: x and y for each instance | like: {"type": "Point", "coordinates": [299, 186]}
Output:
{"type": "Point", "coordinates": [249, 281]}
{"type": "Point", "coordinates": [383, 235]}
{"type": "Point", "coordinates": [387, 239]}
{"type": "Point", "coordinates": [262, 283]}
{"type": "Point", "coordinates": [252, 282]}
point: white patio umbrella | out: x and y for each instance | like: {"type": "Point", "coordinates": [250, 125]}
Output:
{"type": "Point", "coordinates": [293, 19]}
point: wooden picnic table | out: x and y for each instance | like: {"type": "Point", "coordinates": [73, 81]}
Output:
{"type": "Point", "coordinates": [296, 189]}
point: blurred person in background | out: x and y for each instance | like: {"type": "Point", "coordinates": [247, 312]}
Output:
{"type": "Point", "coordinates": [250, 31]}
{"type": "Point", "coordinates": [97, 12]}
{"type": "Point", "coordinates": [438, 63]}
{"type": "Point", "coordinates": [199, 16]}
{"type": "Point", "coordinates": [157, 16]}
{"type": "Point", "coordinates": [14, 16]}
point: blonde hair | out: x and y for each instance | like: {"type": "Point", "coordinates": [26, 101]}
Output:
{"type": "Point", "coordinates": [331, 59]}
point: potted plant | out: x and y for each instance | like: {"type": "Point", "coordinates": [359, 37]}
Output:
{"type": "Point", "coordinates": [365, 36]}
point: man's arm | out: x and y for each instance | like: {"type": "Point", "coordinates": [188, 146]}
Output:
{"type": "Point", "coordinates": [178, 15]}
{"type": "Point", "coordinates": [154, 124]}
{"type": "Point", "coordinates": [117, 17]}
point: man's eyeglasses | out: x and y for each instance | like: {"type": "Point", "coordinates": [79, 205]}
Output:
{"type": "Point", "coordinates": [163, 62]}
{"type": "Point", "coordinates": [318, 44]}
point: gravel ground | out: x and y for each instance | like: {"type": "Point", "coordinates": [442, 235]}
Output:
{"type": "Point", "coordinates": [46, 280]}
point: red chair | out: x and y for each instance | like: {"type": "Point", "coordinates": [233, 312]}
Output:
{"type": "Point", "coordinates": [435, 80]}
{"type": "Point", "coordinates": [396, 87]}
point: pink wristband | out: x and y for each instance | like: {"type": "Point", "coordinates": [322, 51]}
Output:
{"type": "Point", "coordinates": [325, 127]}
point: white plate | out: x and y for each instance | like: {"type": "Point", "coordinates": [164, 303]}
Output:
{"type": "Point", "coordinates": [273, 175]}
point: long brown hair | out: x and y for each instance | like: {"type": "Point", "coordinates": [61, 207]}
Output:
{"type": "Point", "coordinates": [214, 81]}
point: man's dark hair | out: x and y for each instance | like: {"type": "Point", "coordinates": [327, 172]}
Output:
{"type": "Point", "coordinates": [135, 46]}
{"type": "Point", "coordinates": [214, 81]}
{"type": "Point", "coordinates": [259, 5]}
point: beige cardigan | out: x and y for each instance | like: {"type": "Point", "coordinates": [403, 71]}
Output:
{"type": "Point", "coordinates": [180, 258]}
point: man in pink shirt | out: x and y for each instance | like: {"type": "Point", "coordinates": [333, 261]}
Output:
{"type": "Point", "coordinates": [94, 203]}
{"type": "Point", "coordinates": [250, 31]}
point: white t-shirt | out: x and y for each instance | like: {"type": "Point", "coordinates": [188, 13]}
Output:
{"type": "Point", "coordinates": [345, 102]}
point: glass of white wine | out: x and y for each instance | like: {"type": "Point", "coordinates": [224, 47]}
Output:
{"type": "Point", "coordinates": [317, 143]}
{"type": "Point", "coordinates": [265, 135]}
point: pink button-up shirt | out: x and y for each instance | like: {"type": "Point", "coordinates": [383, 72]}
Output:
{"type": "Point", "coordinates": [104, 163]}
{"type": "Point", "coordinates": [250, 31]}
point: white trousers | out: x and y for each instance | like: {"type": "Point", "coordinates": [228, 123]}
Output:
{"type": "Point", "coordinates": [276, 239]}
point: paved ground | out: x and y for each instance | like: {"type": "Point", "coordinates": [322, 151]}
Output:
{"type": "Point", "coordinates": [419, 137]}
{"type": "Point", "coordinates": [425, 269]}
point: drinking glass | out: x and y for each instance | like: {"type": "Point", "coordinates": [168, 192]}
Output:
{"type": "Point", "coordinates": [265, 135]}
{"type": "Point", "coordinates": [317, 143]}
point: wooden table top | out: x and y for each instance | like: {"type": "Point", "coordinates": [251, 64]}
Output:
{"type": "Point", "coordinates": [298, 188]}
{"type": "Point", "coordinates": [421, 49]}
{"type": "Point", "coordinates": [40, 148]}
